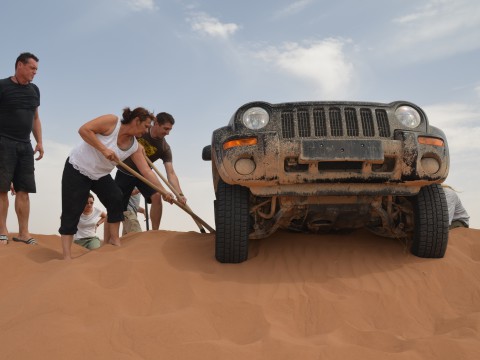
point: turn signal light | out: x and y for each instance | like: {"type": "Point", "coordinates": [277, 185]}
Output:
{"type": "Point", "coordinates": [239, 142]}
{"type": "Point", "coordinates": [430, 141]}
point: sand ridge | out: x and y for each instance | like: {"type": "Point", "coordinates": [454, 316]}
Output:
{"type": "Point", "coordinates": [299, 296]}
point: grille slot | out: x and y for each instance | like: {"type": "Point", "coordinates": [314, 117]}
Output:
{"type": "Point", "coordinates": [288, 128]}
{"type": "Point", "coordinates": [335, 121]}
{"type": "Point", "coordinates": [382, 123]}
{"type": "Point", "coordinates": [367, 122]}
{"type": "Point", "coordinates": [303, 123]}
{"type": "Point", "coordinates": [320, 122]}
{"type": "Point", "coordinates": [351, 122]}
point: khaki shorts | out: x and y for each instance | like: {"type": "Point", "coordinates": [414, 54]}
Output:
{"type": "Point", "coordinates": [130, 224]}
{"type": "Point", "coordinates": [457, 224]}
{"type": "Point", "coordinates": [89, 243]}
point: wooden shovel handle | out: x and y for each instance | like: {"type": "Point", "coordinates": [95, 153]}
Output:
{"type": "Point", "coordinates": [170, 186]}
{"type": "Point", "coordinates": [163, 192]}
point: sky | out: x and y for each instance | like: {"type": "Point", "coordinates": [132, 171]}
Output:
{"type": "Point", "coordinates": [201, 60]}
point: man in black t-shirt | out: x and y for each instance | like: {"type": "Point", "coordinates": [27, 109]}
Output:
{"type": "Point", "coordinates": [156, 147]}
{"type": "Point", "coordinates": [19, 102]}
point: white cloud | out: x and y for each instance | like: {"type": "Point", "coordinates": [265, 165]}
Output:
{"type": "Point", "coordinates": [208, 25]}
{"type": "Point", "coordinates": [461, 124]}
{"type": "Point", "coordinates": [477, 91]}
{"type": "Point", "coordinates": [100, 15]}
{"type": "Point", "coordinates": [438, 29]}
{"type": "Point", "coordinates": [139, 5]}
{"type": "Point", "coordinates": [431, 9]}
{"type": "Point", "coordinates": [293, 8]}
{"type": "Point", "coordinates": [322, 63]}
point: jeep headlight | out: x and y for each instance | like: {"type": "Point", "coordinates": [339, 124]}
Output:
{"type": "Point", "coordinates": [255, 118]}
{"type": "Point", "coordinates": [408, 116]}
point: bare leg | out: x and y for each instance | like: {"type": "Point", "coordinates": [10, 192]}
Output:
{"type": "Point", "coordinates": [156, 211]}
{"type": "Point", "coordinates": [67, 246]}
{"type": "Point", "coordinates": [3, 216]}
{"type": "Point", "coordinates": [106, 232]}
{"type": "Point", "coordinates": [22, 208]}
{"type": "Point", "coordinates": [113, 237]}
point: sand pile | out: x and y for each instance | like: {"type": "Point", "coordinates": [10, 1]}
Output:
{"type": "Point", "coordinates": [162, 295]}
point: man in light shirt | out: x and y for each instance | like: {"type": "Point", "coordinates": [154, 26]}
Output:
{"type": "Point", "coordinates": [457, 215]}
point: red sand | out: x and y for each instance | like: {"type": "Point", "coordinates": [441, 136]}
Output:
{"type": "Point", "coordinates": [162, 295]}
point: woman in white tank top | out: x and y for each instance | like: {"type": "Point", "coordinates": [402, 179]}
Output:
{"type": "Point", "coordinates": [106, 140]}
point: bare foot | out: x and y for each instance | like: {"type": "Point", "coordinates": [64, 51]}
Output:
{"type": "Point", "coordinates": [115, 242]}
{"type": "Point", "coordinates": [24, 237]}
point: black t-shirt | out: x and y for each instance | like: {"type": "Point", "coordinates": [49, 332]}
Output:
{"type": "Point", "coordinates": [18, 104]}
{"type": "Point", "coordinates": [154, 148]}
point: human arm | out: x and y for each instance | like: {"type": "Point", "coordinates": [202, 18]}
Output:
{"type": "Point", "coordinates": [103, 218]}
{"type": "Point", "coordinates": [102, 125]}
{"type": "Point", "coordinates": [173, 180]}
{"type": "Point", "coordinates": [138, 157]}
{"type": "Point", "coordinates": [37, 134]}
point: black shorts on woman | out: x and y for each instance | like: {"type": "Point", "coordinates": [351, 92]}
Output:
{"type": "Point", "coordinates": [75, 190]}
{"type": "Point", "coordinates": [127, 183]}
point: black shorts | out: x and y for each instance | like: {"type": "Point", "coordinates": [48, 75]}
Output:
{"type": "Point", "coordinates": [128, 182]}
{"type": "Point", "coordinates": [17, 166]}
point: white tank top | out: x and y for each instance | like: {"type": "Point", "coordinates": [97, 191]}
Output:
{"type": "Point", "coordinates": [87, 224]}
{"type": "Point", "coordinates": [91, 162]}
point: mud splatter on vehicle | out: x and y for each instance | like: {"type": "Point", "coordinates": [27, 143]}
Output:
{"type": "Point", "coordinates": [329, 166]}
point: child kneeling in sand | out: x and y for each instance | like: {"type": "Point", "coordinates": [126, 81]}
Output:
{"type": "Point", "coordinates": [90, 220]}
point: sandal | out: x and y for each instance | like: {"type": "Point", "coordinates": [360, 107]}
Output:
{"type": "Point", "coordinates": [30, 241]}
{"type": "Point", "coordinates": [4, 238]}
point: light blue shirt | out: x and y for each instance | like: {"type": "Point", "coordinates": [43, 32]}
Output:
{"type": "Point", "coordinates": [456, 211]}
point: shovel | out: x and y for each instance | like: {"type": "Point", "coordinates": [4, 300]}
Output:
{"type": "Point", "coordinates": [179, 204]}
{"type": "Point", "coordinates": [200, 227]}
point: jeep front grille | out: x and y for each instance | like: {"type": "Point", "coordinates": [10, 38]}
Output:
{"type": "Point", "coordinates": [335, 121]}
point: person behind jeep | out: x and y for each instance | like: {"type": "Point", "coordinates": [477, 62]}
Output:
{"type": "Point", "coordinates": [131, 223]}
{"type": "Point", "coordinates": [457, 215]}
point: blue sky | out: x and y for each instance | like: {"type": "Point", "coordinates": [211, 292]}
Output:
{"type": "Point", "coordinates": [200, 60]}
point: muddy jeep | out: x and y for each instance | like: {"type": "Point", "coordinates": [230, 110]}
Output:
{"type": "Point", "coordinates": [329, 166]}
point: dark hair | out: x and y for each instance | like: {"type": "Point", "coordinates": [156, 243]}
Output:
{"type": "Point", "coordinates": [90, 195]}
{"type": "Point", "coordinates": [24, 57]}
{"type": "Point", "coordinates": [140, 112]}
{"type": "Point", "coordinates": [164, 117]}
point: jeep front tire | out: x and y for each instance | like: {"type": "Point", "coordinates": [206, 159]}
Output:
{"type": "Point", "coordinates": [430, 236]}
{"type": "Point", "coordinates": [232, 223]}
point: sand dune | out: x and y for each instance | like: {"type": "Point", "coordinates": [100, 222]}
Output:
{"type": "Point", "coordinates": [163, 296]}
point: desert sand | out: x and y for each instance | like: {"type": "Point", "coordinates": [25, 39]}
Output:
{"type": "Point", "coordinates": [162, 295]}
